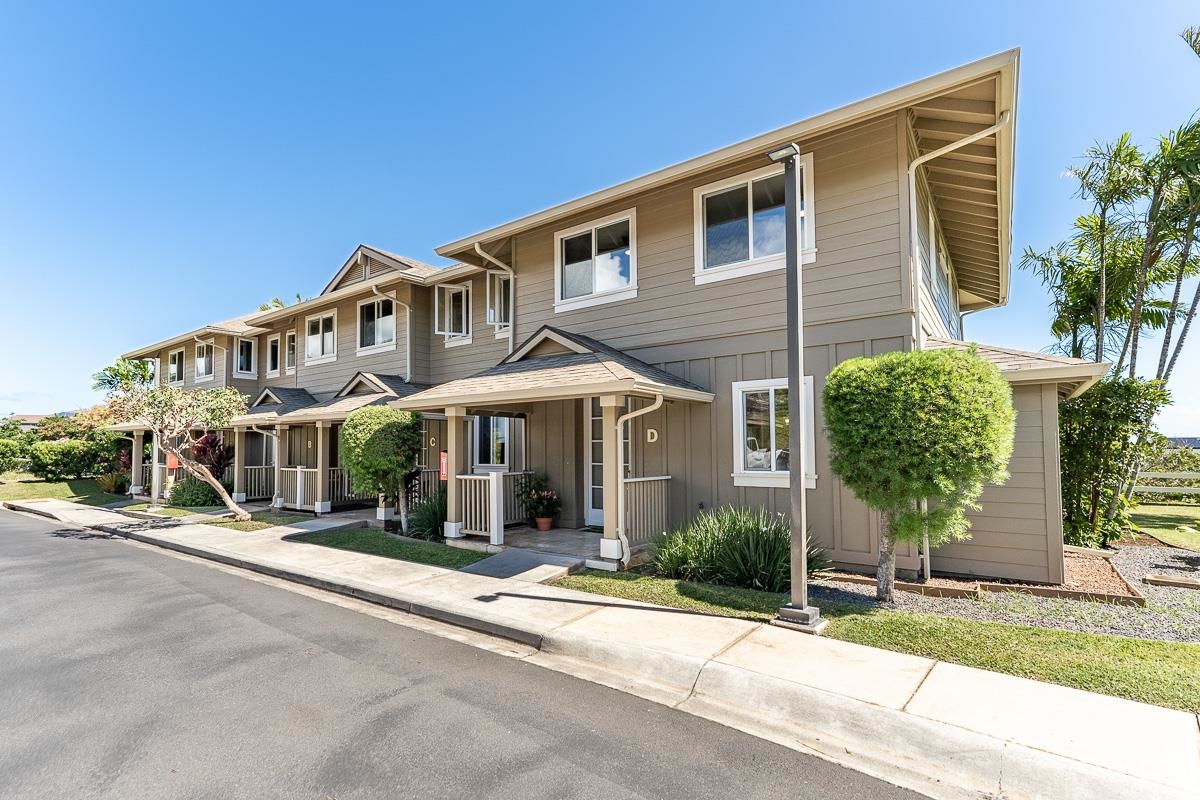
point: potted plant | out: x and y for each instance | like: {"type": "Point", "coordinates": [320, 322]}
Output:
{"type": "Point", "coordinates": [542, 502]}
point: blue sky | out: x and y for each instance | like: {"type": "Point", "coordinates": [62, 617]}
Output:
{"type": "Point", "coordinates": [174, 165]}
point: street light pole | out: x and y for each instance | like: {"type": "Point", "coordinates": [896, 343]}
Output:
{"type": "Point", "coordinates": [798, 614]}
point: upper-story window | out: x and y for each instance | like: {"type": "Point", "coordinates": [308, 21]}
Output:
{"type": "Point", "coordinates": [247, 356]}
{"type": "Point", "coordinates": [175, 367]}
{"type": "Point", "coordinates": [741, 227]}
{"type": "Point", "coordinates": [205, 362]}
{"type": "Point", "coordinates": [499, 301]}
{"type": "Point", "coordinates": [289, 352]}
{"type": "Point", "coordinates": [376, 325]}
{"type": "Point", "coordinates": [452, 312]}
{"type": "Point", "coordinates": [320, 340]}
{"type": "Point", "coordinates": [273, 356]}
{"type": "Point", "coordinates": [596, 263]}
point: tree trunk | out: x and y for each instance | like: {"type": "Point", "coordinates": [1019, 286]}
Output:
{"type": "Point", "coordinates": [1183, 332]}
{"type": "Point", "coordinates": [1102, 298]}
{"type": "Point", "coordinates": [1185, 254]}
{"type": "Point", "coordinates": [885, 575]}
{"type": "Point", "coordinates": [200, 471]}
{"type": "Point", "coordinates": [1148, 255]}
{"type": "Point", "coordinates": [402, 510]}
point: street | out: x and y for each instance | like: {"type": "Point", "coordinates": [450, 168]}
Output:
{"type": "Point", "coordinates": [128, 672]}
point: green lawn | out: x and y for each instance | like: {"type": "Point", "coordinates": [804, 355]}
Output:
{"type": "Point", "coordinates": [261, 520]}
{"type": "Point", "coordinates": [76, 491]}
{"type": "Point", "coordinates": [1178, 526]}
{"type": "Point", "coordinates": [1162, 673]}
{"type": "Point", "coordinates": [377, 543]}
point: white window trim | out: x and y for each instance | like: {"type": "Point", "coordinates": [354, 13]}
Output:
{"type": "Point", "coordinates": [196, 361]}
{"type": "Point", "coordinates": [237, 355]}
{"type": "Point", "coordinates": [181, 373]}
{"type": "Point", "coordinates": [328, 357]}
{"type": "Point", "coordinates": [753, 266]}
{"type": "Point", "coordinates": [478, 467]}
{"type": "Point", "coordinates": [453, 339]}
{"type": "Point", "coordinates": [375, 348]}
{"type": "Point", "coordinates": [274, 373]}
{"type": "Point", "coordinates": [283, 353]}
{"type": "Point", "coordinates": [493, 294]}
{"type": "Point", "coordinates": [598, 298]}
{"type": "Point", "coordinates": [744, 477]}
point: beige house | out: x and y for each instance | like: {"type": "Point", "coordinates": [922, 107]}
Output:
{"type": "Point", "coordinates": [631, 343]}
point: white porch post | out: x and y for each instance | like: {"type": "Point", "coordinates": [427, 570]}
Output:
{"type": "Point", "coordinates": [611, 407]}
{"type": "Point", "coordinates": [322, 503]}
{"type": "Point", "coordinates": [496, 507]}
{"type": "Point", "coordinates": [281, 458]}
{"type": "Point", "coordinates": [156, 487]}
{"type": "Point", "coordinates": [135, 464]}
{"type": "Point", "coordinates": [239, 465]}
{"type": "Point", "coordinates": [456, 417]}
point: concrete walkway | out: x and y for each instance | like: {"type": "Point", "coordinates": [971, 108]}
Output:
{"type": "Point", "coordinates": [941, 729]}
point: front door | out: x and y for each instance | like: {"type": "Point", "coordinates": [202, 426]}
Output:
{"type": "Point", "coordinates": [593, 462]}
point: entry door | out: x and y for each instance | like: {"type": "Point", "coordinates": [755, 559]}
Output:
{"type": "Point", "coordinates": [593, 460]}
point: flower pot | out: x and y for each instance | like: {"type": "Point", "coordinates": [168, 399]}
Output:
{"type": "Point", "coordinates": [543, 523]}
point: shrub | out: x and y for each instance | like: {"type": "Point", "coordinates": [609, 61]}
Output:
{"type": "Point", "coordinates": [735, 546]}
{"type": "Point", "coordinates": [113, 482]}
{"type": "Point", "coordinates": [71, 458]}
{"type": "Point", "coordinates": [12, 452]}
{"type": "Point", "coordinates": [379, 447]}
{"type": "Point", "coordinates": [909, 427]}
{"type": "Point", "coordinates": [193, 492]}
{"type": "Point", "coordinates": [209, 451]}
{"type": "Point", "coordinates": [428, 518]}
{"type": "Point", "coordinates": [540, 500]}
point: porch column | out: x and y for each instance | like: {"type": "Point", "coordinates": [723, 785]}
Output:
{"type": "Point", "coordinates": [611, 407]}
{"type": "Point", "coordinates": [135, 464]}
{"type": "Point", "coordinates": [456, 439]}
{"type": "Point", "coordinates": [156, 488]}
{"type": "Point", "coordinates": [281, 459]}
{"type": "Point", "coordinates": [323, 503]}
{"type": "Point", "coordinates": [239, 465]}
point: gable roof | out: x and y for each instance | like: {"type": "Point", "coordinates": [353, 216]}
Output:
{"type": "Point", "coordinates": [238, 326]}
{"type": "Point", "coordinates": [409, 267]}
{"type": "Point", "coordinates": [387, 384]}
{"type": "Point", "coordinates": [1072, 375]}
{"type": "Point", "coordinates": [592, 368]}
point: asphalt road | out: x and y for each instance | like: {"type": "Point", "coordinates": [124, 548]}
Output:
{"type": "Point", "coordinates": [126, 672]}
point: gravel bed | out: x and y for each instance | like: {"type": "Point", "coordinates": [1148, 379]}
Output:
{"type": "Point", "coordinates": [1171, 614]}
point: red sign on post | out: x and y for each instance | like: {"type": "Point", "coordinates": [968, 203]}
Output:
{"type": "Point", "coordinates": [444, 467]}
{"type": "Point", "coordinates": [172, 461]}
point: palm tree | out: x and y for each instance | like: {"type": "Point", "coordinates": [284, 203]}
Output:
{"type": "Point", "coordinates": [1192, 37]}
{"type": "Point", "coordinates": [122, 375]}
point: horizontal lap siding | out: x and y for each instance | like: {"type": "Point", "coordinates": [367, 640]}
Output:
{"type": "Point", "coordinates": [484, 351]}
{"type": "Point", "coordinates": [1017, 532]}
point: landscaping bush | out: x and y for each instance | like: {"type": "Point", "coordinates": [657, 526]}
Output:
{"type": "Point", "coordinates": [192, 492]}
{"type": "Point", "coordinates": [427, 519]}
{"type": "Point", "coordinates": [12, 452]}
{"type": "Point", "coordinates": [735, 546]}
{"type": "Point", "coordinates": [71, 458]}
{"type": "Point", "coordinates": [113, 482]}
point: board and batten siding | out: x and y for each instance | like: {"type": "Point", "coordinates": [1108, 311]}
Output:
{"type": "Point", "coordinates": [1017, 533]}
{"type": "Point", "coordinates": [857, 272]}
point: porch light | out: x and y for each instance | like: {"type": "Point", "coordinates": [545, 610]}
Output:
{"type": "Point", "coordinates": [798, 614]}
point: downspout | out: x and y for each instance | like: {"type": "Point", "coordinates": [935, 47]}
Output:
{"type": "Point", "coordinates": [512, 292]}
{"type": "Point", "coordinates": [1005, 118]}
{"type": "Point", "coordinates": [407, 328]}
{"type": "Point", "coordinates": [621, 420]}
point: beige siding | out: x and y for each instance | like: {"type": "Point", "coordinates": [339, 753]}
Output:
{"type": "Point", "coordinates": [1018, 531]}
{"type": "Point", "coordinates": [555, 446]}
{"type": "Point", "coordinates": [484, 350]}
{"type": "Point", "coordinates": [939, 315]}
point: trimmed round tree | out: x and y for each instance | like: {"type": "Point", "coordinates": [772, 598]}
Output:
{"type": "Point", "coordinates": [379, 446]}
{"type": "Point", "coordinates": [915, 436]}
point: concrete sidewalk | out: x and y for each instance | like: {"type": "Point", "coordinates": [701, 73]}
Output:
{"type": "Point", "coordinates": [940, 729]}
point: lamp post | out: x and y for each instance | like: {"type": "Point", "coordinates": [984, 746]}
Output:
{"type": "Point", "coordinates": [798, 614]}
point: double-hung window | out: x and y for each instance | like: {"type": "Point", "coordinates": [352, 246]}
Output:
{"type": "Point", "coordinates": [273, 356]}
{"type": "Point", "coordinates": [320, 338]}
{"type": "Point", "coordinates": [761, 425]}
{"type": "Point", "coordinates": [205, 362]}
{"type": "Point", "coordinates": [491, 440]}
{"type": "Point", "coordinates": [247, 355]}
{"type": "Point", "coordinates": [376, 325]}
{"type": "Point", "coordinates": [596, 263]}
{"type": "Point", "coordinates": [499, 301]}
{"type": "Point", "coordinates": [741, 223]}
{"type": "Point", "coordinates": [175, 367]}
{"type": "Point", "coordinates": [452, 312]}
{"type": "Point", "coordinates": [289, 352]}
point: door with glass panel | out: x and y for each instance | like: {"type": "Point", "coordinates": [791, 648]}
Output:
{"type": "Point", "coordinates": [593, 460]}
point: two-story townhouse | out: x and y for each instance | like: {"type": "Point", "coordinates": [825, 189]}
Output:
{"type": "Point", "coordinates": [631, 343]}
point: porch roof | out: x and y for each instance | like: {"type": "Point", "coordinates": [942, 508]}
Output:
{"type": "Point", "coordinates": [1072, 375]}
{"type": "Point", "coordinates": [289, 406]}
{"type": "Point", "coordinates": [583, 367]}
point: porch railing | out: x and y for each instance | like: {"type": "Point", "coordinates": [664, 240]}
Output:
{"type": "Point", "coordinates": [646, 508]}
{"type": "Point", "coordinates": [490, 501]}
{"type": "Point", "coordinates": [260, 482]}
{"type": "Point", "coordinates": [426, 485]}
{"type": "Point", "coordinates": [161, 473]}
{"type": "Point", "coordinates": [147, 477]}
{"type": "Point", "coordinates": [341, 489]}
{"type": "Point", "coordinates": [514, 497]}
{"type": "Point", "coordinates": [299, 488]}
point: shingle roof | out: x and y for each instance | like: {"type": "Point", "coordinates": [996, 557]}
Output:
{"type": "Point", "coordinates": [1073, 375]}
{"type": "Point", "coordinates": [238, 326]}
{"type": "Point", "coordinates": [602, 369]}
